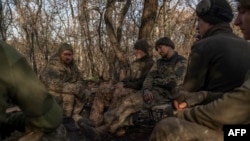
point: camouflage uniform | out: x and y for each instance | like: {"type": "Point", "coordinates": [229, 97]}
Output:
{"type": "Point", "coordinates": [102, 99]}
{"type": "Point", "coordinates": [66, 85]}
{"type": "Point", "coordinates": [108, 97]}
{"type": "Point", "coordinates": [164, 77]}
{"type": "Point", "coordinates": [20, 86]}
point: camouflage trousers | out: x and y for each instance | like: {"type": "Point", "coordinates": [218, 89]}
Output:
{"type": "Point", "coordinates": [174, 129]}
{"type": "Point", "coordinates": [132, 103]}
{"type": "Point", "coordinates": [72, 106]}
{"type": "Point", "coordinates": [105, 100]}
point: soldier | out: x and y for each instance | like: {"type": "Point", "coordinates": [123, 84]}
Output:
{"type": "Point", "coordinates": [205, 122]}
{"type": "Point", "coordinates": [166, 74]}
{"type": "Point", "coordinates": [131, 83]}
{"type": "Point", "coordinates": [62, 78]}
{"type": "Point", "coordinates": [40, 114]}
{"type": "Point", "coordinates": [218, 62]}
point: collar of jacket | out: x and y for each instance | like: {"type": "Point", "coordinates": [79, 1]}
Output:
{"type": "Point", "coordinates": [55, 60]}
{"type": "Point", "coordinates": [171, 58]}
{"type": "Point", "coordinates": [144, 58]}
{"type": "Point", "coordinates": [218, 28]}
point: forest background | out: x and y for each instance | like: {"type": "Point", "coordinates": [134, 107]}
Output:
{"type": "Point", "coordinates": [102, 32]}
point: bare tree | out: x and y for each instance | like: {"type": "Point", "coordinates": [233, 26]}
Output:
{"type": "Point", "coordinates": [114, 31]}
{"type": "Point", "coordinates": [102, 33]}
{"type": "Point", "coordinates": [29, 14]}
{"type": "Point", "coordinates": [6, 18]}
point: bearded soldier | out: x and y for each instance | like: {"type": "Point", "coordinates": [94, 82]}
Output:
{"type": "Point", "coordinates": [62, 78]}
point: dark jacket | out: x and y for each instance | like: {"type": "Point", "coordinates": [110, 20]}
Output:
{"type": "Point", "coordinates": [218, 62]}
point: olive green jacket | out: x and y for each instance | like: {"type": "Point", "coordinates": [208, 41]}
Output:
{"type": "Point", "coordinates": [20, 85]}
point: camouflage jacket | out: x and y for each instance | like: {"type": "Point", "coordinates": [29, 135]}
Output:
{"type": "Point", "coordinates": [166, 74]}
{"type": "Point", "coordinates": [218, 62]}
{"type": "Point", "coordinates": [20, 86]}
{"type": "Point", "coordinates": [232, 108]}
{"type": "Point", "coordinates": [62, 79]}
{"type": "Point", "coordinates": [137, 72]}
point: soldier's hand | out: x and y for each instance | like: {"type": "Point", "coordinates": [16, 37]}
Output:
{"type": "Point", "coordinates": [148, 96]}
{"type": "Point", "coordinates": [188, 99]}
{"type": "Point", "coordinates": [179, 106]}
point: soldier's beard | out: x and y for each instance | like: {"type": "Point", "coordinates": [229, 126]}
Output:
{"type": "Point", "coordinates": [68, 62]}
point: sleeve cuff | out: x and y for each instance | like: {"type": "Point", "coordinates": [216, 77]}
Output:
{"type": "Point", "coordinates": [49, 121]}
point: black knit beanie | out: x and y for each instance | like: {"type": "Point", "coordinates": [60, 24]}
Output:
{"type": "Point", "coordinates": [164, 41]}
{"type": "Point", "coordinates": [214, 11]}
{"type": "Point", "coordinates": [63, 47]}
{"type": "Point", "coordinates": [142, 45]}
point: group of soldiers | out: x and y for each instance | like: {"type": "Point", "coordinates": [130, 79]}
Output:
{"type": "Point", "coordinates": [208, 90]}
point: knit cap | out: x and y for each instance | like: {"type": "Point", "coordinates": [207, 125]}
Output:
{"type": "Point", "coordinates": [63, 47]}
{"type": "Point", "coordinates": [214, 11]}
{"type": "Point", "coordinates": [164, 41]}
{"type": "Point", "coordinates": [142, 45]}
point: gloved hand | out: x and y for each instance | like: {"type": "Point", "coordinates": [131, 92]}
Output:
{"type": "Point", "coordinates": [185, 99]}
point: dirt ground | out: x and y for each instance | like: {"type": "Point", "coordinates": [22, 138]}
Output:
{"type": "Point", "coordinates": [139, 132]}
{"type": "Point", "coordinates": [136, 133]}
